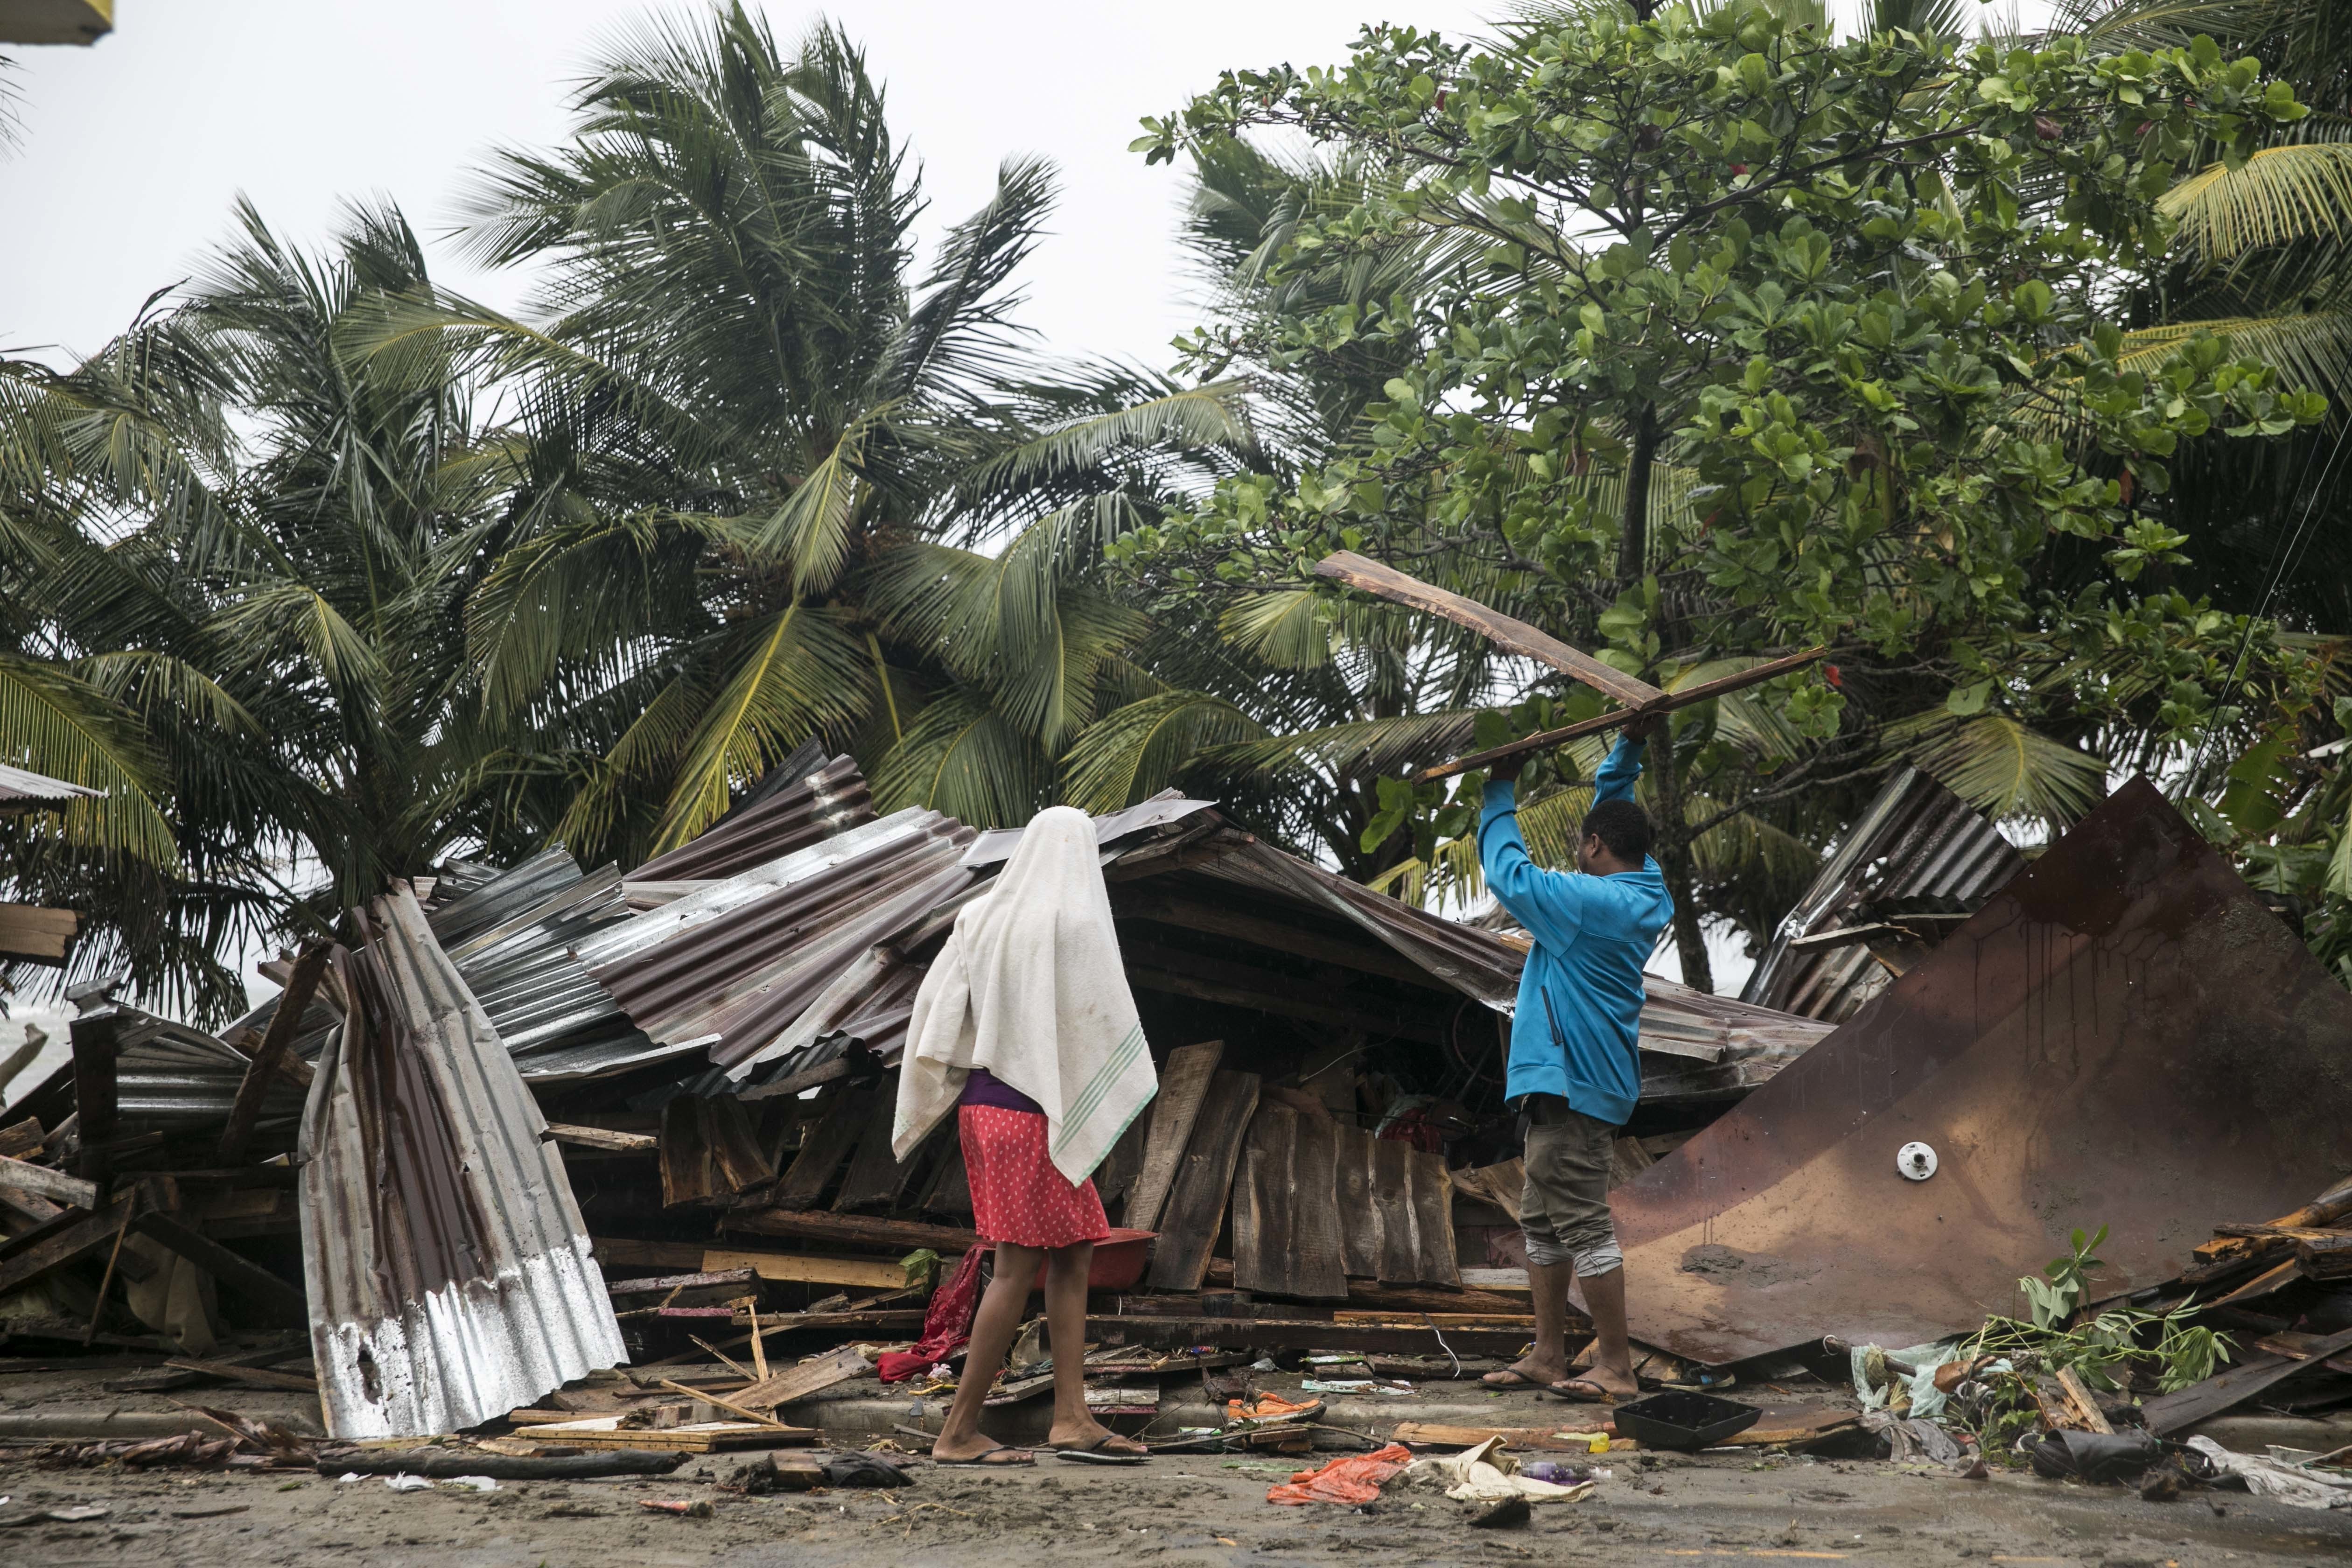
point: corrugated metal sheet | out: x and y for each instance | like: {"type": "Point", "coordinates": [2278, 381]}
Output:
{"type": "Point", "coordinates": [449, 1271]}
{"type": "Point", "coordinates": [21, 790]}
{"type": "Point", "coordinates": [1918, 841]}
{"type": "Point", "coordinates": [797, 813]}
{"type": "Point", "coordinates": [734, 965]}
{"type": "Point", "coordinates": [996, 845]}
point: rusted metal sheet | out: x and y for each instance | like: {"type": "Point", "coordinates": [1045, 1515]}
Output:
{"type": "Point", "coordinates": [2123, 1035]}
{"type": "Point", "coordinates": [449, 1274]}
{"type": "Point", "coordinates": [1918, 844]}
{"type": "Point", "coordinates": [790, 812]}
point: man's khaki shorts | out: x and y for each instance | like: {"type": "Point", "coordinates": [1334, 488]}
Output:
{"type": "Point", "coordinates": [1564, 1212]}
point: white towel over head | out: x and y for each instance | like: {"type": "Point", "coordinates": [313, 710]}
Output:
{"type": "Point", "coordinates": [1029, 986]}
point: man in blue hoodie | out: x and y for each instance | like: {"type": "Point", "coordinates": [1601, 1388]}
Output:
{"type": "Point", "coordinates": [1575, 1069]}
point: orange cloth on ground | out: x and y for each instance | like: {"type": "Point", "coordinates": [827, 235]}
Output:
{"type": "Point", "coordinates": [1351, 1480]}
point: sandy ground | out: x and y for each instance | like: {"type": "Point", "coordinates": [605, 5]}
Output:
{"type": "Point", "coordinates": [1176, 1511]}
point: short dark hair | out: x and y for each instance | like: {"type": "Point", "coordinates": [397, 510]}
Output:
{"type": "Point", "coordinates": [1623, 826]}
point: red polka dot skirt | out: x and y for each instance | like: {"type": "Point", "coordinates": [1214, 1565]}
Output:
{"type": "Point", "coordinates": [1017, 1196]}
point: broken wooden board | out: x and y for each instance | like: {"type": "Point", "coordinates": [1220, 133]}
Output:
{"type": "Point", "coordinates": [685, 1174]}
{"type": "Point", "coordinates": [1639, 697]}
{"type": "Point", "coordinates": [1396, 1211]}
{"type": "Point", "coordinates": [1285, 1208]}
{"type": "Point", "coordinates": [601, 1139]}
{"type": "Point", "coordinates": [876, 1179]}
{"type": "Point", "coordinates": [1511, 635]}
{"type": "Point", "coordinates": [828, 1143]}
{"type": "Point", "coordinates": [873, 1273]}
{"type": "Point", "coordinates": [848, 1230]}
{"type": "Point", "coordinates": [1184, 1082]}
{"type": "Point", "coordinates": [1122, 1166]}
{"type": "Point", "coordinates": [809, 1377]}
{"type": "Point", "coordinates": [1195, 1211]}
{"type": "Point", "coordinates": [33, 934]}
{"type": "Point", "coordinates": [699, 1437]}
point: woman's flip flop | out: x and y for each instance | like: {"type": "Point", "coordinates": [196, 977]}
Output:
{"type": "Point", "coordinates": [986, 1459]}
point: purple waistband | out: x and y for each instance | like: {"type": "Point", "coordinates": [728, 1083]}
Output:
{"type": "Point", "coordinates": [983, 1088]}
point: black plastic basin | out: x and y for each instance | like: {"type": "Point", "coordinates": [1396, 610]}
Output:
{"type": "Point", "coordinates": [1683, 1419]}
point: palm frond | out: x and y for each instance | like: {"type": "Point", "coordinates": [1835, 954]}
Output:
{"type": "Point", "coordinates": [1284, 626]}
{"type": "Point", "coordinates": [66, 729]}
{"type": "Point", "coordinates": [799, 674]}
{"type": "Point", "coordinates": [2309, 349]}
{"type": "Point", "coordinates": [1138, 749]}
{"type": "Point", "coordinates": [2278, 196]}
{"type": "Point", "coordinates": [963, 758]}
{"type": "Point", "coordinates": [2003, 768]}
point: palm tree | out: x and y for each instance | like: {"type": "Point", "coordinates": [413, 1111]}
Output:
{"type": "Point", "coordinates": [771, 486]}
{"type": "Point", "coordinates": [245, 539]}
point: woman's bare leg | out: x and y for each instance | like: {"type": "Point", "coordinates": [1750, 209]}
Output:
{"type": "Point", "coordinates": [992, 1328]}
{"type": "Point", "coordinates": [1065, 1325]}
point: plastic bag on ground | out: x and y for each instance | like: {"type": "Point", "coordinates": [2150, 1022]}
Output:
{"type": "Point", "coordinates": [2284, 1482]}
{"type": "Point", "coordinates": [1487, 1474]}
{"type": "Point", "coordinates": [1350, 1481]}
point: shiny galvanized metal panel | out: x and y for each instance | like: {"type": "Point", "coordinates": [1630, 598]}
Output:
{"type": "Point", "coordinates": [449, 1274]}
{"type": "Point", "coordinates": [2124, 1036]}
{"type": "Point", "coordinates": [1916, 839]}
{"type": "Point", "coordinates": [22, 790]}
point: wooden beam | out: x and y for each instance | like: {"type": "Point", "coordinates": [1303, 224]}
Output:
{"type": "Point", "coordinates": [71, 1191]}
{"type": "Point", "coordinates": [73, 1235]}
{"type": "Point", "coordinates": [1402, 1337]}
{"type": "Point", "coordinates": [1367, 956]}
{"type": "Point", "coordinates": [1284, 1006]}
{"type": "Point", "coordinates": [671, 1282]}
{"type": "Point", "coordinates": [599, 1137]}
{"type": "Point", "coordinates": [848, 1229]}
{"type": "Point", "coordinates": [1684, 698]}
{"type": "Point", "coordinates": [276, 1044]}
{"type": "Point", "coordinates": [1196, 1205]}
{"type": "Point", "coordinates": [233, 1269]}
{"type": "Point", "coordinates": [803, 1267]}
{"type": "Point", "coordinates": [94, 1053]}
{"type": "Point", "coordinates": [1510, 636]}
{"type": "Point", "coordinates": [33, 934]}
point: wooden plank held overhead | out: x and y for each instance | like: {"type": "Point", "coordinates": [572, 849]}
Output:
{"type": "Point", "coordinates": [1195, 1211]}
{"type": "Point", "coordinates": [1638, 697]}
{"type": "Point", "coordinates": [1286, 1208]}
{"type": "Point", "coordinates": [1510, 636]}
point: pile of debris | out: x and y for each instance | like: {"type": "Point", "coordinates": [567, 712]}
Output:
{"type": "Point", "coordinates": [525, 1125]}
{"type": "Point", "coordinates": [594, 1164]}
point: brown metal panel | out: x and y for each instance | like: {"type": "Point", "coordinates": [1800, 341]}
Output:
{"type": "Point", "coordinates": [2123, 1035]}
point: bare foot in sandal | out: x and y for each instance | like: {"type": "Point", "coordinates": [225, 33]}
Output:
{"type": "Point", "coordinates": [1092, 1437]}
{"type": "Point", "coordinates": [982, 1454]}
{"type": "Point", "coordinates": [1528, 1372]}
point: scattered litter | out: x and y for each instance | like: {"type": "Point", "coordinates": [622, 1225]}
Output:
{"type": "Point", "coordinates": [699, 1509]}
{"type": "Point", "coordinates": [2289, 1484]}
{"type": "Point", "coordinates": [1352, 1481]}
{"type": "Point", "coordinates": [408, 1483]}
{"type": "Point", "coordinates": [1489, 1474]}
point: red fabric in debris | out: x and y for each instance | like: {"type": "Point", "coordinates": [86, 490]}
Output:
{"type": "Point", "coordinates": [1352, 1480]}
{"type": "Point", "coordinates": [1414, 1127]}
{"type": "Point", "coordinates": [946, 1325]}
{"type": "Point", "coordinates": [1017, 1193]}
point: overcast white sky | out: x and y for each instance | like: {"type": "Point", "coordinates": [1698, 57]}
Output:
{"type": "Point", "coordinates": [134, 148]}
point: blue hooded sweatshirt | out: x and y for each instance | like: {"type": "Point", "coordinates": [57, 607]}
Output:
{"type": "Point", "coordinates": [1579, 1018]}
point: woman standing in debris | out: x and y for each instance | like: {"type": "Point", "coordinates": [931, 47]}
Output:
{"type": "Point", "coordinates": [1025, 1029]}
